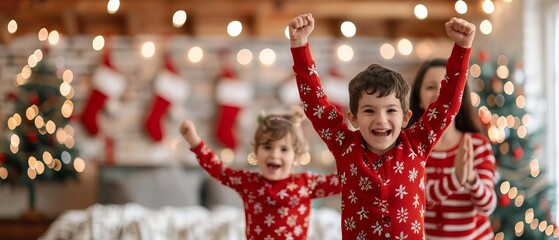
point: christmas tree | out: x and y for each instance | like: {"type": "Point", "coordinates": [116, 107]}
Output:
{"type": "Point", "coordinates": [522, 187]}
{"type": "Point", "coordinates": [37, 143]}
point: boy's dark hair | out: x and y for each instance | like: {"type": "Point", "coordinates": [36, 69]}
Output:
{"type": "Point", "coordinates": [381, 80]}
{"type": "Point", "coordinates": [466, 120]}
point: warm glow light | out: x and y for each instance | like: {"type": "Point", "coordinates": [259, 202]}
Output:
{"type": "Point", "coordinates": [501, 122]}
{"type": "Point", "coordinates": [521, 101]}
{"type": "Point", "coordinates": [38, 54]}
{"type": "Point", "coordinates": [26, 72]}
{"type": "Point", "coordinates": [50, 126]}
{"type": "Point", "coordinates": [509, 87]}
{"type": "Point", "coordinates": [112, 6]}
{"type": "Point", "coordinates": [461, 7]}
{"type": "Point", "coordinates": [542, 226]}
{"type": "Point", "coordinates": [526, 119]}
{"type": "Point", "coordinates": [79, 164]}
{"type": "Point", "coordinates": [195, 54]}
{"type": "Point", "coordinates": [179, 18]}
{"type": "Point", "coordinates": [267, 56]}
{"type": "Point", "coordinates": [65, 89]}
{"type": "Point", "coordinates": [503, 72]}
{"type": "Point", "coordinates": [405, 47]}
{"type": "Point", "coordinates": [3, 173]}
{"type": "Point", "coordinates": [519, 200]}
{"type": "Point", "coordinates": [227, 156]}
{"type": "Point", "coordinates": [60, 135]}
{"type": "Point", "coordinates": [43, 34]}
{"type": "Point", "coordinates": [521, 131]}
{"type": "Point", "coordinates": [12, 26]}
{"type": "Point", "coordinates": [486, 27]}
{"type": "Point", "coordinates": [31, 173]}
{"type": "Point", "coordinates": [39, 122]}
{"type": "Point", "coordinates": [244, 56]}
{"type": "Point", "coordinates": [234, 28]}
{"type": "Point", "coordinates": [476, 100]}
{"type": "Point", "coordinates": [348, 29]}
{"type": "Point", "coordinates": [499, 236]}
{"type": "Point", "coordinates": [519, 228]}
{"type": "Point", "coordinates": [148, 49]}
{"type": "Point", "coordinates": [67, 108]}
{"type": "Point", "coordinates": [67, 76]}
{"type": "Point", "coordinates": [60, 62]}
{"type": "Point", "coordinates": [32, 61]}
{"type": "Point", "coordinates": [513, 192]}
{"type": "Point", "coordinates": [14, 140]}
{"type": "Point", "coordinates": [20, 80]}
{"type": "Point", "coordinates": [387, 51]}
{"type": "Point", "coordinates": [423, 50]}
{"type": "Point", "coordinates": [39, 167]}
{"type": "Point", "coordinates": [420, 11]}
{"type": "Point", "coordinates": [488, 6]}
{"type": "Point", "coordinates": [31, 162]}
{"type": "Point", "coordinates": [493, 133]}
{"type": "Point", "coordinates": [505, 187]}
{"type": "Point", "coordinates": [98, 43]}
{"type": "Point", "coordinates": [286, 32]}
{"type": "Point", "coordinates": [475, 70]}
{"type": "Point", "coordinates": [54, 37]}
{"type": "Point", "coordinates": [534, 224]}
{"type": "Point", "coordinates": [47, 157]}
{"type": "Point", "coordinates": [529, 216]}
{"type": "Point", "coordinates": [345, 53]}
{"type": "Point", "coordinates": [31, 112]}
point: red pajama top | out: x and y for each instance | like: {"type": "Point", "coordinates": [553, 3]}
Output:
{"type": "Point", "coordinates": [274, 210]}
{"type": "Point", "coordinates": [464, 213]}
{"type": "Point", "coordinates": [383, 196]}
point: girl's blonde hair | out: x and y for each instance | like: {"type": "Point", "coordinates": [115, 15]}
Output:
{"type": "Point", "coordinates": [272, 127]}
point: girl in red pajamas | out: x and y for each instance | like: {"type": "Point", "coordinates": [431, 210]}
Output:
{"type": "Point", "coordinates": [277, 202]}
{"type": "Point", "coordinates": [464, 214]}
{"type": "Point", "coordinates": [381, 167]}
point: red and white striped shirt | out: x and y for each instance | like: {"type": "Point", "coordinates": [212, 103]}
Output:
{"type": "Point", "coordinates": [464, 213]}
{"type": "Point", "coordinates": [383, 196]}
{"type": "Point", "coordinates": [273, 209]}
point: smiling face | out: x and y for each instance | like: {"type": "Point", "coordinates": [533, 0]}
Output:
{"type": "Point", "coordinates": [380, 120]}
{"type": "Point", "coordinates": [276, 158]}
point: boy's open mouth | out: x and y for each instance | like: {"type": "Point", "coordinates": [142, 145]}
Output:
{"type": "Point", "coordinates": [381, 133]}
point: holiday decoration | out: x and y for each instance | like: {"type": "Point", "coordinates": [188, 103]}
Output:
{"type": "Point", "coordinates": [107, 85]}
{"type": "Point", "coordinates": [288, 93]}
{"type": "Point", "coordinates": [232, 95]}
{"type": "Point", "coordinates": [522, 185]}
{"type": "Point", "coordinates": [40, 146]}
{"type": "Point", "coordinates": [335, 87]}
{"type": "Point", "coordinates": [170, 90]}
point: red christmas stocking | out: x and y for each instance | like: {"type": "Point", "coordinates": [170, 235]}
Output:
{"type": "Point", "coordinates": [170, 88]}
{"type": "Point", "coordinates": [107, 84]}
{"type": "Point", "coordinates": [232, 96]}
{"type": "Point", "coordinates": [335, 87]}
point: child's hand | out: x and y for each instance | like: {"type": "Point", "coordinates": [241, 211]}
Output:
{"type": "Point", "coordinates": [464, 160]}
{"type": "Point", "coordinates": [188, 131]}
{"type": "Point", "coordinates": [461, 32]}
{"type": "Point", "coordinates": [300, 28]}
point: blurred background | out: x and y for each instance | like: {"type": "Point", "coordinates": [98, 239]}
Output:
{"type": "Point", "coordinates": [92, 93]}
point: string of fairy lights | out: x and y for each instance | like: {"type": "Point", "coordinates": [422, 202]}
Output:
{"type": "Point", "coordinates": [496, 131]}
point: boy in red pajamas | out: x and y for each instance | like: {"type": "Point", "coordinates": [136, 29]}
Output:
{"type": "Point", "coordinates": [381, 167]}
{"type": "Point", "coordinates": [277, 202]}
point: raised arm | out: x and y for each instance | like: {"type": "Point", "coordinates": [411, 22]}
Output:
{"type": "Point", "coordinates": [209, 161]}
{"type": "Point", "coordinates": [436, 118]}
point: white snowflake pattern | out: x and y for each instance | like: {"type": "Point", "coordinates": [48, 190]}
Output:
{"type": "Point", "coordinates": [349, 224]}
{"type": "Point", "coordinates": [415, 201]}
{"type": "Point", "coordinates": [416, 227]}
{"type": "Point", "coordinates": [343, 178]}
{"type": "Point", "coordinates": [340, 137]}
{"type": "Point", "coordinates": [353, 169]}
{"type": "Point", "coordinates": [363, 213]}
{"type": "Point", "coordinates": [402, 215]}
{"type": "Point", "coordinates": [432, 114]}
{"type": "Point", "coordinates": [257, 208]}
{"type": "Point", "coordinates": [412, 155]}
{"type": "Point", "coordinates": [432, 136]}
{"type": "Point", "coordinates": [318, 111]}
{"type": "Point", "coordinates": [412, 175]}
{"type": "Point", "coordinates": [402, 236]}
{"type": "Point", "coordinates": [303, 191]}
{"type": "Point", "coordinates": [334, 181]}
{"type": "Point", "coordinates": [348, 149]}
{"type": "Point", "coordinates": [270, 201]}
{"type": "Point", "coordinates": [305, 106]}
{"type": "Point", "coordinates": [422, 183]}
{"type": "Point", "coordinates": [268, 238]}
{"type": "Point", "coordinates": [332, 114]}
{"type": "Point", "coordinates": [325, 134]}
{"type": "Point", "coordinates": [302, 209]}
{"type": "Point", "coordinates": [320, 92]}
{"type": "Point", "coordinates": [382, 204]}
{"type": "Point", "coordinates": [313, 70]}
{"type": "Point", "coordinates": [293, 201]}
{"type": "Point", "coordinates": [292, 220]}
{"type": "Point", "coordinates": [283, 194]}
{"type": "Point", "coordinates": [398, 167]}
{"type": "Point", "coordinates": [304, 88]}
{"type": "Point", "coordinates": [361, 236]}
{"type": "Point", "coordinates": [236, 180]}
{"type": "Point", "coordinates": [280, 230]}
{"type": "Point", "coordinates": [288, 236]}
{"type": "Point", "coordinates": [421, 149]}
{"type": "Point", "coordinates": [401, 191]}
{"type": "Point", "coordinates": [292, 186]}
{"type": "Point", "coordinates": [258, 230]}
{"type": "Point", "coordinates": [352, 198]}
{"type": "Point", "coordinates": [283, 211]}
{"type": "Point", "coordinates": [377, 228]}
{"type": "Point", "coordinates": [261, 191]}
{"type": "Point", "coordinates": [365, 184]}
{"type": "Point", "coordinates": [269, 220]}
{"type": "Point", "coordinates": [298, 231]}
{"type": "Point", "coordinates": [422, 163]}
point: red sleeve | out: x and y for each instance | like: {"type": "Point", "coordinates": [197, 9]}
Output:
{"type": "Point", "coordinates": [429, 128]}
{"type": "Point", "coordinates": [322, 185]}
{"type": "Point", "coordinates": [213, 165]}
{"type": "Point", "coordinates": [326, 120]}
